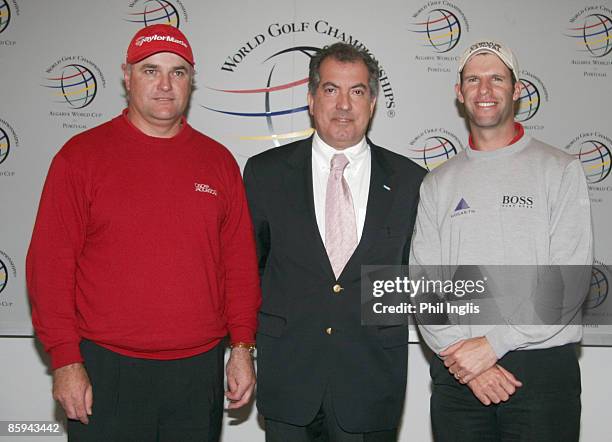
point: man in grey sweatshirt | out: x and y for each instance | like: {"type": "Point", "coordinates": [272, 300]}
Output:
{"type": "Point", "coordinates": [508, 199]}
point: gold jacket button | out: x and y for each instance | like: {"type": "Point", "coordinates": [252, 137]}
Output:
{"type": "Point", "coordinates": [337, 288]}
{"type": "Point", "coordinates": [329, 330]}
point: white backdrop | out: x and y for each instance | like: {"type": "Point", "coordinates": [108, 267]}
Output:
{"type": "Point", "coordinates": [60, 74]}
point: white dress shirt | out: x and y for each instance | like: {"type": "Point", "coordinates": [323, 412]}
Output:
{"type": "Point", "coordinates": [356, 174]}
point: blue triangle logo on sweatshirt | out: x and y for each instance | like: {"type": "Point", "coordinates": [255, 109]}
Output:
{"type": "Point", "coordinates": [462, 205]}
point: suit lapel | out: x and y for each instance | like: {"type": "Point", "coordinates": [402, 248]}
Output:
{"type": "Point", "coordinates": [298, 187]}
{"type": "Point", "coordinates": [380, 198]}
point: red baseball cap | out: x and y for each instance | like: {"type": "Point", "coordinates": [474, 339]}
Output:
{"type": "Point", "coordinates": [158, 38]}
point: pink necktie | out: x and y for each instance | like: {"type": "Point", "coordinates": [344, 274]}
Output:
{"type": "Point", "coordinates": [340, 224]}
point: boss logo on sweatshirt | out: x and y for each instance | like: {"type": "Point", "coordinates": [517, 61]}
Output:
{"type": "Point", "coordinates": [517, 201]}
{"type": "Point", "coordinates": [205, 188]}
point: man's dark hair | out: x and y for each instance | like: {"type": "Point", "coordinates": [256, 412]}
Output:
{"type": "Point", "coordinates": [343, 53]}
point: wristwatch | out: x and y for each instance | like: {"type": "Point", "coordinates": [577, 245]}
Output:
{"type": "Point", "coordinates": [250, 347]}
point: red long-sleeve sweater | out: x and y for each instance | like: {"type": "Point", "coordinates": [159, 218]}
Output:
{"type": "Point", "coordinates": [143, 245]}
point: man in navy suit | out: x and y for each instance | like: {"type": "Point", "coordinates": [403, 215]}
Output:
{"type": "Point", "coordinates": [323, 207]}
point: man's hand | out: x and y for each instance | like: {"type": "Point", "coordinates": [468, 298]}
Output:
{"type": "Point", "coordinates": [240, 378]}
{"type": "Point", "coordinates": [468, 358]}
{"type": "Point", "coordinates": [494, 385]}
{"type": "Point", "coordinates": [72, 389]}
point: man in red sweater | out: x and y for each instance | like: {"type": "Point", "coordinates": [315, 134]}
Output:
{"type": "Point", "coordinates": [142, 260]}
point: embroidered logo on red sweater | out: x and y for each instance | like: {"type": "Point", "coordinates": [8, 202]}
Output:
{"type": "Point", "coordinates": [205, 188]}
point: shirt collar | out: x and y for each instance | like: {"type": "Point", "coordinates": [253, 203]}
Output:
{"type": "Point", "coordinates": [322, 152]}
{"type": "Point", "coordinates": [519, 131]}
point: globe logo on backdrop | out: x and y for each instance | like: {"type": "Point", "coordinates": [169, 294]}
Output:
{"type": "Point", "coordinates": [595, 158]}
{"type": "Point", "coordinates": [594, 36]}
{"type": "Point", "coordinates": [598, 291]}
{"type": "Point", "coordinates": [268, 91]}
{"type": "Point", "coordinates": [441, 31]}
{"type": "Point", "coordinates": [76, 86]}
{"type": "Point", "coordinates": [528, 102]}
{"type": "Point", "coordinates": [5, 145]}
{"type": "Point", "coordinates": [155, 12]}
{"type": "Point", "coordinates": [5, 15]}
{"type": "Point", "coordinates": [435, 151]}
{"type": "Point", "coordinates": [3, 276]}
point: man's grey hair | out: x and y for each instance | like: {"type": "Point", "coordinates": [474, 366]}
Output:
{"type": "Point", "coordinates": [343, 53]}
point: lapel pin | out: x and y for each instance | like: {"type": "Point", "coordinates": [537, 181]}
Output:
{"type": "Point", "coordinates": [386, 187]}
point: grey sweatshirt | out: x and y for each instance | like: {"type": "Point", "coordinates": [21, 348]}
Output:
{"type": "Point", "coordinates": [525, 204]}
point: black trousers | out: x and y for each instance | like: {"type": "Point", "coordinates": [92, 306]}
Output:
{"type": "Point", "coordinates": [546, 408]}
{"type": "Point", "coordinates": [324, 428]}
{"type": "Point", "coordinates": [143, 400]}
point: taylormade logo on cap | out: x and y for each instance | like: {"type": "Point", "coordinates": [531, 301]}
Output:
{"type": "Point", "coordinates": [486, 44]}
{"type": "Point", "coordinates": [155, 37]}
{"type": "Point", "coordinates": [158, 38]}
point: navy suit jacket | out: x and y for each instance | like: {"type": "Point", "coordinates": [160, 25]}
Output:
{"type": "Point", "coordinates": [297, 357]}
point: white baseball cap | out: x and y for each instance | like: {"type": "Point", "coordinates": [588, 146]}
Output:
{"type": "Point", "coordinates": [494, 47]}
